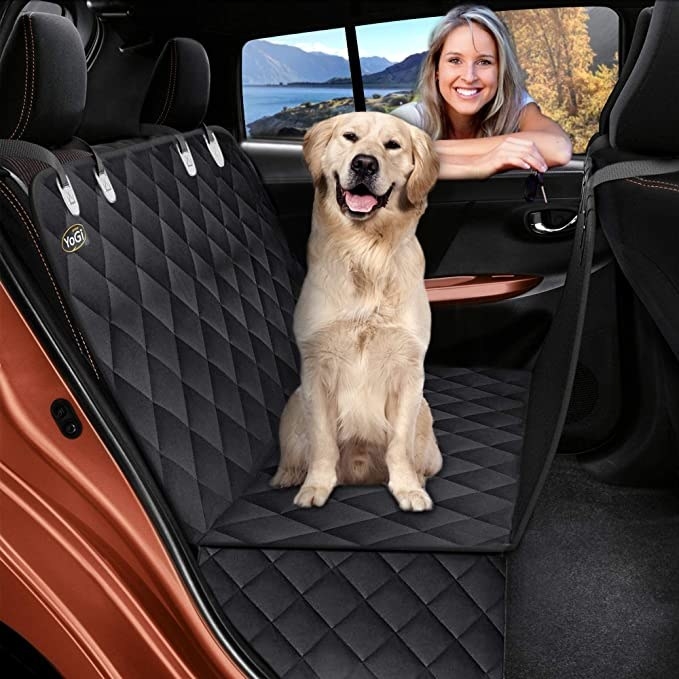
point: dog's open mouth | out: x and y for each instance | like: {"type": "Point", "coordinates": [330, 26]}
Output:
{"type": "Point", "coordinates": [360, 201]}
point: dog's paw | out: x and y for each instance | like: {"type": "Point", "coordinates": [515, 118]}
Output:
{"type": "Point", "coordinates": [313, 496]}
{"type": "Point", "coordinates": [413, 500]}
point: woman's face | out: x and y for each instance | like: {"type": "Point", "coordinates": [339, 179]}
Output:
{"type": "Point", "coordinates": [467, 70]}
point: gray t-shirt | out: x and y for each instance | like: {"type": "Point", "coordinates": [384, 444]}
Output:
{"type": "Point", "coordinates": [413, 112]}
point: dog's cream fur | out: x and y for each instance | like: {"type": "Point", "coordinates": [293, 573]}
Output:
{"type": "Point", "coordinates": [362, 323]}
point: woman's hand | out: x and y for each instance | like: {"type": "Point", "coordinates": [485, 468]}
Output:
{"type": "Point", "coordinates": [504, 154]}
{"type": "Point", "coordinates": [540, 143]}
{"type": "Point", "coordinates": [511, 152]}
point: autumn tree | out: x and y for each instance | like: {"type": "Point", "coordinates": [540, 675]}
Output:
{"type": "Point", "coordinates": [554, 50]}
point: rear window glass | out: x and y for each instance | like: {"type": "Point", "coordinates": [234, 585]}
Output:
{"type": "Point", "coordinates": [569, 57]}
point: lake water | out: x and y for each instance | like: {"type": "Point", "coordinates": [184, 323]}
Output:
{"type": "Point", "coordinates": [260, 101]}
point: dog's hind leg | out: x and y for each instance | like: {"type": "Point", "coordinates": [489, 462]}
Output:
{"type": "Point", "coordinates": [294, 441]}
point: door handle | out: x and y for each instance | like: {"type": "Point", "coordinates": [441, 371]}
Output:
{"type": "Point", "coordinates": [550, 222]}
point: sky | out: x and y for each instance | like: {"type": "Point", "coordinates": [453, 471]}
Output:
{"type": "Point", "coordinates": [394, 40]}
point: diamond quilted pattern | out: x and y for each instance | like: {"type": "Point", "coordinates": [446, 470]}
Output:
{"type": "Point", "coordinates": [364, 614]}
{"type": "Point", "coordinates": [478, 419]}
{"type": "Point", "coordinates": [185, 291]}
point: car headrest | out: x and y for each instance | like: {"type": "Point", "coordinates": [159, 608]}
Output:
{"type": "Point", "coordinates": [180, 86]}
{"type": "Point", "coordinates": [640, 32]}
{"type": "Point", "coordinates": [43, 80]}
{"type": "Point", "coordinates": [644, 118]}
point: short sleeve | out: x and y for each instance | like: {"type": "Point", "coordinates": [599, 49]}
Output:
{"type": "Point", "coordinates": [411, 113]}
{"type": "Point", "coordinates": [527, 99]}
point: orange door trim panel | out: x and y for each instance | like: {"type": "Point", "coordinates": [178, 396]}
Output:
{"type": "Point", "coordinates": [84, 576]}
{"type": "Point", "coordinates": [478, 289]}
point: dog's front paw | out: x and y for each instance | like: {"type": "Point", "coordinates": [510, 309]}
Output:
{"type": "Point", "coordinates": [313, 496]}
{"type": "Point", "coordinates": [413, 500]}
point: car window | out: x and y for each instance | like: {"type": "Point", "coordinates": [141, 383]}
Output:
{"type": "Point", "coordinates": [290, 82]}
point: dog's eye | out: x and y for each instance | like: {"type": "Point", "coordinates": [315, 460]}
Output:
{"type": "Point", "coordinates": [350, 136]}
{"type": "Point", "coordinates": [392, 144]}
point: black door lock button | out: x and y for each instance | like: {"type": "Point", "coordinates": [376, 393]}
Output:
{"type": "Point", "coordinates": [66, 419]}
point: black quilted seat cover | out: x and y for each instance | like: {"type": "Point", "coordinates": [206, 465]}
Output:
{"type": "Point", "coordinates": [185, 292]}
{"type": "Point", "coordinates": [364, 615]}
{"type": "Point", "coordinates": [478, 418]}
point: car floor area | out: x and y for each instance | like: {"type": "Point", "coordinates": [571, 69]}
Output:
{"type": "Point", "coordinates": [593, 588]}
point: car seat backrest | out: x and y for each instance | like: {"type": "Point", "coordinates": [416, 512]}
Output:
{"type": "Point", "coordinates": [645, 116]}
{"type": "Point", "coordinates": [42, 78]}
{"type": "Point", "coordinates": [179, 91]}
{"type": "Point", "coordinates": [638, 214]}
{"type": "Point", "coordinates": [640, 31]}
{"type": "Point", "coordinates": [184, 290]}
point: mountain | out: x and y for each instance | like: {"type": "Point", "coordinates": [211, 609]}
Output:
{"type": "Point", "coordinates": [404, 74]}
{"type": "Point", "coordinates": [267, 63]}
{"type": "Point", "coordinates": [374, 64]}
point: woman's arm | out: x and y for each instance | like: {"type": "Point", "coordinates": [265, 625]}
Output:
{"type": "Point", "coordinates": [540, 143]}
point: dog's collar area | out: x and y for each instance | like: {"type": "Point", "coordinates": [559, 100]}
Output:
{"type": "Point", "coordinates": [359, 202]}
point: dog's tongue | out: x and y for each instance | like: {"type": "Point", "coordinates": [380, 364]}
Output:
{"type": "Point", "coordinates": [358, 203]}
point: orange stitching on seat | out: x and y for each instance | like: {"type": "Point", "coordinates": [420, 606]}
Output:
{"type": "Point", "coordinates": [30, 103]}
{"type": "Point", "coordinates": [28, 223]}
{"type": "Point", "coordinates": [23, 105]}
{"type": "Point", "coordinates": [650, 184]}
{"type": "Point", "coordinates": [169, 97]}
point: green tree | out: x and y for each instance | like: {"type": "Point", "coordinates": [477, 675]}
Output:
{"type": "Point", "coordinates": [555, 52]}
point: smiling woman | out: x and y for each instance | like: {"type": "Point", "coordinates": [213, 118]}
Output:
{"type": "Point", "coordinates": [474, 103]}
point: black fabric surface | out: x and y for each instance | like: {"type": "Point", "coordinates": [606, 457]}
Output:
{"type": "Point", "coordinates": [638, 216]}
{"type": "Point", "coordinates": [640, 31]}
{"type": "Point", "coordinates": [185, 291]}
{"type": "Point", "coordinates": [644, 117]}
{"type": "Point", "coordinates": [593, 590]}
{"type": "Point", "coordinates": [364, 615]}
{"type": "Point", "coordinates": [478, 420]}
{"type": "Point", "coordinates": [180, 86]}
{"type": "Point", "coordinates": [43, 78]}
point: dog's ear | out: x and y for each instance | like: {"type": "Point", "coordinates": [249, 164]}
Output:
{"type": "Point", "coordinates": [315, 141]}
{"type": "Point", "coordinates": [426, 170]}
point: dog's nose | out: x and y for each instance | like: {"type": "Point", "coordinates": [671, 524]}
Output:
{"type": "Point", "coordinates": [364, 165]}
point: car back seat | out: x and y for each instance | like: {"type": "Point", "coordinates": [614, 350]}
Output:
{"type": "Point", "coordinates": [181, 302]}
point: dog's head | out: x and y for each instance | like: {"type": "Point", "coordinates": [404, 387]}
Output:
{"type": "Point", "coordinates": [370, 162]}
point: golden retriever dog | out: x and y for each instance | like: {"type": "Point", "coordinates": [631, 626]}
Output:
{"type": "Point", "coordinates": [362, 322]}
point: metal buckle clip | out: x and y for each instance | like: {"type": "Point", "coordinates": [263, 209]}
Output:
{"type": "Point", "coordinates": [187, 158]}
{"type": "Point", "coordinates": [213, 147]}
{"type": "Point", "coordinates": [105, 185]}
{"type": "Point", "coordinates": [69, 197]}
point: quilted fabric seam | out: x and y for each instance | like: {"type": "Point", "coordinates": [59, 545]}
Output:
{"type": "Point", "coordinates": [23, 104]}
{"type": "Point", "coordinates": [170, 87]}
{"type": "Point", "coordinates": [30, 102]}
{"type": "Point", "coordinates": [654, 184]}
{"type": "Point", "coordinates": [33, 233]}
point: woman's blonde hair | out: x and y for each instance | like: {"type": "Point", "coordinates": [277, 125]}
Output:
{"type": "Point", "coordinates": [499, 116]}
